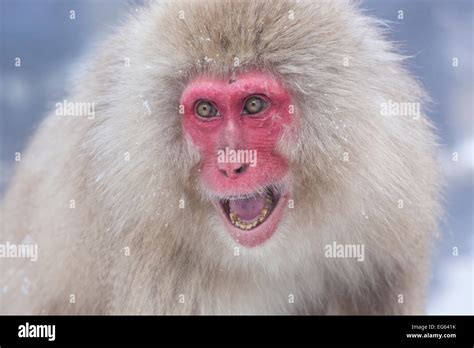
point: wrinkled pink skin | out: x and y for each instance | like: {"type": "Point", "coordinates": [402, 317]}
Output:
{"type": "Point", "coordinates": [238, 131]}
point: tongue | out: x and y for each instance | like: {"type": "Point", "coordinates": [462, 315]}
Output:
{"type": "Point", "coordinates": [247, 209]}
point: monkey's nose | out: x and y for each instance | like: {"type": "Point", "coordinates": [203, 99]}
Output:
{"type": "Point", "coordinates": [233, 170]}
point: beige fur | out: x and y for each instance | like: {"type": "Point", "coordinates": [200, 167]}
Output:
{"type": "Point", "coordinates": [175, 251]}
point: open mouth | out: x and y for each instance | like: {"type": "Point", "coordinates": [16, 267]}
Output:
{"type": "Point", "coordinates": [252, 219]}
{"type": "Point", "coordinates": [248, 213]}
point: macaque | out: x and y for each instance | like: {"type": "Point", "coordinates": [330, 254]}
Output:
{"type": "Point", "coordinates": [242, 157]}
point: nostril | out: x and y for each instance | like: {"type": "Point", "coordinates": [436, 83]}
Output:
{"type": "Point", "coordinates": [241, 169]}
{"type": "Point", "coordinates": [233, 170]}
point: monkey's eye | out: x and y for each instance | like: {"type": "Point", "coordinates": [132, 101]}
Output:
{"type": "Point", "coordinates": [206, 109]}
{"type": "Point", "coordinates": [254, 105]}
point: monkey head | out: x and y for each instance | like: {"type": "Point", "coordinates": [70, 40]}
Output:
{"type": "Point", "coordinates": [266, 124]}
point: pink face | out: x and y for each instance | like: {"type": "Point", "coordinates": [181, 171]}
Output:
{"type": "Point", "coordinates": [236, 125]}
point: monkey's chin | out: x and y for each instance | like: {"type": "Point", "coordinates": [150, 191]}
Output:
{"type": "Point", "coordinates": [252, 219]}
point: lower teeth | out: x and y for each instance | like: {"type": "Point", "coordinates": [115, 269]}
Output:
{"type": "Point", "coordinates": [245, 225]}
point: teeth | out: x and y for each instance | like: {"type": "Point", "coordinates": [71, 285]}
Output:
{"type": "Point", "coordinates": [261, 216]}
